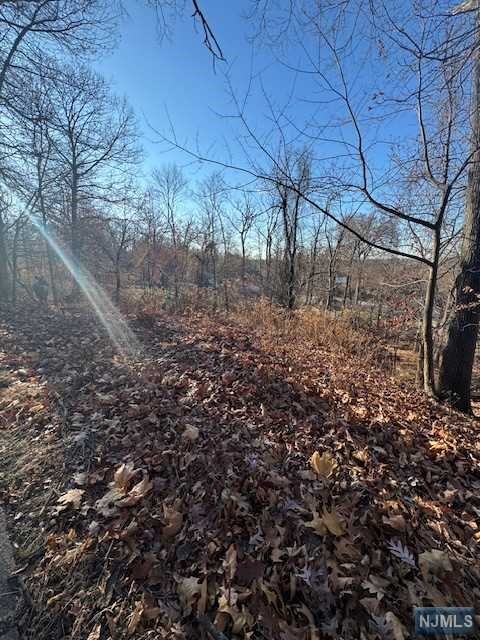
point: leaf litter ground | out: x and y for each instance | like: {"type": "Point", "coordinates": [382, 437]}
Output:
{"type": "Point", "coordinates": [228, 483]}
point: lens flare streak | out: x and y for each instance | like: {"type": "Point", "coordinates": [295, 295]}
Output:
{"type": "Point", "coordinates": [117, 328]}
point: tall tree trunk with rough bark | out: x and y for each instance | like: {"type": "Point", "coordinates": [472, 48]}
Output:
{"type": "Point", "coordinates": [427, 321]}
{"type": "Point", "coordinates": [48, 248]}
{"type": "Point", "coordinates": [456, 367]}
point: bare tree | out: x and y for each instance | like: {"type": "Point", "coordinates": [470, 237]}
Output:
{"type": "Point", "coordinates": [318, 224]}
{"type": "Point", "coordinates": [169, 189]}
{"type": "Point", "coordinates": [32, 36]}
{"type": "Point", "coordinates": [115, 236]}
{"type": "Point", "coordinates": [94, 138]}
{"type": "Point", "coordinates": [243, 223]}
{"type": "Point", "coordinates": [290, 205]}
{"type": "Point", "coordinates": [211, 197]}
{"type": "Point", "coordinates": [335, 238]}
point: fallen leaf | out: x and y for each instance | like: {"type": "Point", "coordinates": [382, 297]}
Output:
{"type": "Point", "coordinates": [323, 465]}
{"type": "Point", "coordinates": [191, 433]}
{"type": "Point", "coordinates": [395, 625]}
{"type": "Point", "coordinates": [203, 600]}
{"type": "Point", "coordinates": [230, 563]}
{"type": "Point", "coordinates": [395, 522]}
{"type": "Point", "coordinates": [137, 492]}
{"type": "Point", "coordinates": [135, 618]}
{"type": "Point", "coordinates": [401, 552]}
{"type": "Point", "coordinates": [80, 479]}
{"type": "Point", "coordinates": [174, 520]}
{"type": "Point", "coordinates": [332, 522]}
{"type": "Point", "coordinates": [317, 524]}
{"type": "Point", "coordinates": [376, 585]}
{"type": "Point", "coordinates": [434, 562]}
{"type": "Point", "coordinates": [188, 589]}
{"type": "Point", "coordinates": [107, 504]}
{"type": "Point", "coordinates": [123, 475]}
{"type": "Point", "coordinates": [240, 617]}
{"type": "Point", "coordinates": [371, 605]}
{"type": "Point", "coordinates": [72, 497]}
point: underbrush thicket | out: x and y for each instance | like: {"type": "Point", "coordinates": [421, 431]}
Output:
{"type": "Point", "coordinates": [348, 332]}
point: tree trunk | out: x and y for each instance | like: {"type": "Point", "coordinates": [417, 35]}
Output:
{"type": "Point", "coordinates": [74, 233]}
{"type": "Point", "coordinates": [288, 293]}
{"type": "Point", "coordinates": [356, 295]}
{"type": "Point", "coordinates": [313, 267]}
{"type": "Point", "coordinates": [346, 290]}
{"type": "Point", "coordinates": [458, 355]}
{"type": "Point", "coordinates": [48, 248]}
{"type": "Point", "coordinates": [358, 285]}
{"type": "Point", "coordinates": [442, 329]}
{"type": "Point", "coordinates": [348, 281]}
{"type": "Point", "coordinates": [419, 372]}
{"type": "Point", "coordinates": [118, 280]}
{"type": "Point", "coordinates": [244, 262]}
{"type": "Point", "coordinates": [332, 276]}
{"type": "Point", "coordinates": [226, 297]}
{"type": "Point", "coordinates": [75, 240]}
{"type": "Point", "coordinates": [213, 255]}
{"type": "Point", "coordinates": [4, 271]}
{"type": "Point", "coordinates": [51, 271]}
{"type": "Point", "coordinates": [268, 267]}
{"type": "Point", "coordinates": [15, 262]}
{"type": "Point", "coordinates": [291, 282]}
{"type": "Point", "coordinates": [27, 250]}
{"type": "Point", "coordinates": [427, 324]}
{"type": "Point", "coordinates": [176, 286]}
{"type": "Point", "coordinates": [379, 311]}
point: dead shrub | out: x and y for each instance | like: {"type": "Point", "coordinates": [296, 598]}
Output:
{"type": "Point", "coordinates": [337, 332]}
{"type": "Point", "coordinates": [147, 306]}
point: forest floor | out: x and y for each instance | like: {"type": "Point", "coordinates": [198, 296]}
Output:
{"type": "Point", "coordinates": [231, 482]}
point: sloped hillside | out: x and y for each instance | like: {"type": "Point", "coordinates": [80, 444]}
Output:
{"type": "Point", "coordinates": [228, 483]}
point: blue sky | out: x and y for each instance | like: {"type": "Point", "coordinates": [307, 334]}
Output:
{"type": "Point", "coordinates": [176, 76]}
